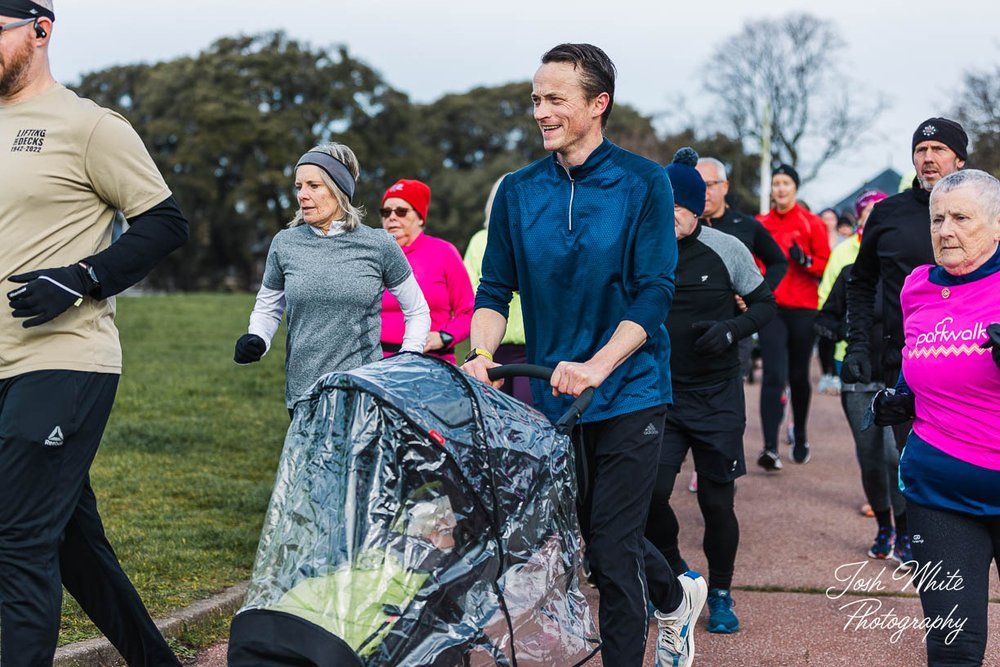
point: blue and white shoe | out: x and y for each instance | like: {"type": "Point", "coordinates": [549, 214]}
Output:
{"type": "Point", "coordinates": [675, 640]}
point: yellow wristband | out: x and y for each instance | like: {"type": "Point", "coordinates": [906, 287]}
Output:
{"type": "Point", "coordinates": [478, 352]}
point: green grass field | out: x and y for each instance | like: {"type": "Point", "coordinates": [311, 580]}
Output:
{"type": "Point", "coordinates": [185, 470]}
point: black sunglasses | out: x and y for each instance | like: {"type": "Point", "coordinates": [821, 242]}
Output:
{"type": "Point", "coordinates": [400, 211]}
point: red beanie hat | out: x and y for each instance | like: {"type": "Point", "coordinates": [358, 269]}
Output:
{"type": "Point", "coordinates": [413, 192]}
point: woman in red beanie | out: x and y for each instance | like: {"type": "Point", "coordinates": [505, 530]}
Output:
{"type": "Point", "coordinates": [786, 342]}
{"type": "Point", "coordinates": [438, 268]}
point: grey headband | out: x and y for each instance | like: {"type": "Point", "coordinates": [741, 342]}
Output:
{"type": "Point", "coordinates": [334, 168]}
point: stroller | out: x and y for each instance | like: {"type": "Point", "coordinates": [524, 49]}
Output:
{"type": "Point", "coordinates": [419, 518]}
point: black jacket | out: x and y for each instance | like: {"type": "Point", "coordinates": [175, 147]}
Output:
{"type": "Point", "coordinates": [713, 267]}
{"type": "Point", "coordinates": [896, 240]}
{"type": "Point", "coordinates": [832, 317]}
{"type": "Point", "coordinates": [757, 240]}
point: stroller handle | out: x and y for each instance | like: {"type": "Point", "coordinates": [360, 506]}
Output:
{"type": "Point", "coordinates": [565, 423]}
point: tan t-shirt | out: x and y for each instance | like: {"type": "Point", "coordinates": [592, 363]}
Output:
{"type": "Point", "coordinates": [66, 166]}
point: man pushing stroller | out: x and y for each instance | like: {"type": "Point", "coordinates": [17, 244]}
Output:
{"type": "Point", "coordinates": [586, 236]}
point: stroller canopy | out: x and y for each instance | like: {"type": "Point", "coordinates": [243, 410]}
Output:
{"type": "Point", "coordinates": [418, 517]}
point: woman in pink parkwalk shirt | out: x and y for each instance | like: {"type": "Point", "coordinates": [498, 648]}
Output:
{"type": "Point", "coordinates": [950, 386]}
{"type": "Point", "coordinates": [438, 268]}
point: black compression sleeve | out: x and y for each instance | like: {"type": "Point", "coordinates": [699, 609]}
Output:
{"type": "Point", "coordinates": [151, 236]}
{"type": "Point", "coordinates": [761, 309]}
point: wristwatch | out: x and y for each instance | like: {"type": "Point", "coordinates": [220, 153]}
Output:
{"type": "Point", "coordinates": [477, 352]}
{"type": "Point", "coordinates": [446, 339]}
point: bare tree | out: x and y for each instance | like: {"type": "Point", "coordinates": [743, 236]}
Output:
{"type": "Point", "coordinates": [979, 112]}
{"type": "Point", "coordinates": [789, 64]}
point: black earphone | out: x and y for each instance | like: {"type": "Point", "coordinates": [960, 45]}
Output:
{"type": "Point", "coordinates": [39, 30]}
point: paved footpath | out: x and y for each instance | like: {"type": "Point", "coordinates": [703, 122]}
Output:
{"type": "Point", "coordinates": [802, 538]}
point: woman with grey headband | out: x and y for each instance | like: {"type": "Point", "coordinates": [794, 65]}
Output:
{"type": "Point", "coordinates": [329, 274]}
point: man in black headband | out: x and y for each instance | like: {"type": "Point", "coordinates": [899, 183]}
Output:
{"type": "Point", "coordinates": [897, 239]}
{"type": "Point", "coordinates": [68, 166]}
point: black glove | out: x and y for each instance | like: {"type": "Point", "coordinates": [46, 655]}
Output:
{"type": "Point", "coordinates": [829, 327]}
{"type": "Point", "coordinates": [796, 254]}
{"type": "Point", "coordinates": [249, 348]}
{"type": "Point", "coordinates": [993, 331]}
{"type": "Point", "coordinates": [857, 366]}
{"type": "Point", "coordinates": [891, 407]}
{"type": "Point", "coordinates": [48, 293]}
{"type": "Point", "coordinates": [715, 339]}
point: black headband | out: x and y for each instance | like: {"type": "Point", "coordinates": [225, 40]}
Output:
{"type": "Point", "coordinates": [334, 168]}
{"type": "Point", "coordinates": [24, 9]}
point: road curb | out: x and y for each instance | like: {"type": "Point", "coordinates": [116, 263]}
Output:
{"type": "Point", "coordinates": [100, 652]}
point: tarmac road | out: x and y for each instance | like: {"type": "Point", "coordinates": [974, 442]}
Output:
{"type": "Point", "coordinates": [801, 538]}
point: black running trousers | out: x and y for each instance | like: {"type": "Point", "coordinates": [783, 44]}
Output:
{"type": "Point", "coordinates": [786, 345]}
{"type": "Point", "coordinates": [950, 543]}
{"type": "Point", "coordinates": [51, 423]}
{"type": "Point", "coordinates": [616, 461]}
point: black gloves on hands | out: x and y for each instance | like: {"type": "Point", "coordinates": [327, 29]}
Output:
{"type": "Point", "coordinates": [715, 339]}
{"type": "Point", "coordinates": [796, 254]}
{"type": "Point", "coordinates": [857, 366]}
{"type": "Point", "coordinates": [993, 331]}
{"type": "Point", "coordinates": [48, 293]}
{"type": "Point", "coordinates": [249, 348]}
{"type": "Point", "coordinates": [828, 327]}
{"type": "Point", "coordinates": [891, 407]}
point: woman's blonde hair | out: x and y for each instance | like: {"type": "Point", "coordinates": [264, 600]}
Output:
{"type": "Point", "coordinates": [353, 215]}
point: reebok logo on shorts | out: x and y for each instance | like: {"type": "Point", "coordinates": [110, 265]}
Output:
{"type": "Point", "coordinates": [650, 430]}
{"type": "Point", "coordinates": [55, 438]}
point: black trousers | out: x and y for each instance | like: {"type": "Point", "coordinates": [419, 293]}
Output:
{"type": "Point", "coordinates": [709, 422]}
{"type": "Point", "coordinates": [51, 423]}
{"type": "Point", "coordinates": [955, 543]}
{"type": "Point", "coordinates": [786, 344]}
{"type": "Point", "coordinates": [617, 462]}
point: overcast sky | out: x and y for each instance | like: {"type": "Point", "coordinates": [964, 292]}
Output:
{"type": "Point", "coordinates": [913, 53]}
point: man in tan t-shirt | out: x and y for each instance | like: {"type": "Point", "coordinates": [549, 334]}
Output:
{"type": "Point", "coordinates": [67, 166]}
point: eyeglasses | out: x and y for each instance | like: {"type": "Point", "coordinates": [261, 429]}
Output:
{"type": "Point", "coordinates": [15, 24]}
{"type": "Point", "coordinates": [400, 211]}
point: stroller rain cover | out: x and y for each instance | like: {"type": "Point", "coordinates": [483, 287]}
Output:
{"type": "Point", "coordinates": [418, 517]}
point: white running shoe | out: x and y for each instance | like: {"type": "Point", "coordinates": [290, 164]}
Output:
{"type": "Point", "coordinates": [675, 640]}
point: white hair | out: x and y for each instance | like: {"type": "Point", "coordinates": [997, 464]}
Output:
{"type": "Point", "coordinates": [985, 186]}
{"type": "Point", "coordinates": [720, 168]}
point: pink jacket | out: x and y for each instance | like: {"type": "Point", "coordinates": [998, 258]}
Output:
{"type": "Point", "coordinates": [444, 281]}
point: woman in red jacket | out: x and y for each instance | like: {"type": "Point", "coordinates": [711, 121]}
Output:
{"type": "Point", "coordinates": [786, 342]}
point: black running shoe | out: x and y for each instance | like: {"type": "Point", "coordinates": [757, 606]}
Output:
{"type": "Point", "coordinates": [800, 453]}
{"type": "Point", "coordinates": [769, 460]}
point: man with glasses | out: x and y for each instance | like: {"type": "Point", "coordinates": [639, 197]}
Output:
{"type": "Point", "coordinates": [67, 167]}
{"type": "Point", "coordinates": [586, 236]}
{"type": "Point", "coordinates": [719, 215]}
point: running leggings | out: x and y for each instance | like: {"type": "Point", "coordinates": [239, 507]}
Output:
{"type": "Point", "coordinates": [825, 350]}
{"type": "Point", "coordinates": [877, 455]}
{"type": "Point", "coordinates": [786, 344]}
{"type": "Point", "coordinates": [722, 530]}
{"type": "Point", "coordinates": [958, 543]}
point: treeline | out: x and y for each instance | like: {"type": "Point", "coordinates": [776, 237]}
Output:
{"type": "Point", "coordinates": [226, 127]}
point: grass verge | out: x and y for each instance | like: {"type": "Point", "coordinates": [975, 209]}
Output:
{"type": "Point", "coordinates": [184, 472]}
